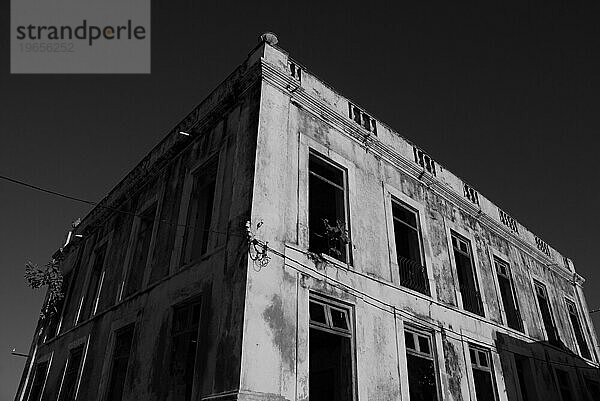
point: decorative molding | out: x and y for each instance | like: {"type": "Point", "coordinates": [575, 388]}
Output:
{"type": "Point", "coordinates": [302, 99]}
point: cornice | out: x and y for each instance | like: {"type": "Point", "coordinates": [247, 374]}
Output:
{"type": "Point", "coordinates": [301, 98]}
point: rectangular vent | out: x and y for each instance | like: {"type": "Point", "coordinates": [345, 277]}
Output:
{"type": "Point", "coordinates": [508, 221]}
{"type": "Point", "coordinates": [362, 118]}
{"type": "Point", "coordinates": [295, 71]}
{"type": "Point", "coordinates": [471, 194]}
{"type": "Point", "coordinates": [542, 246]}
{"type": "Point", "coordinates": [424, 160]}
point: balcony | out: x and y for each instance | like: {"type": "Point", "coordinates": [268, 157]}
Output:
{"type": "Point", "coordinates": [413, 275]}
{"type": "Point", "coordinates": [471, 300]}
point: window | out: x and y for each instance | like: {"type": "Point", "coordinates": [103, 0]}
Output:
{"type": "Point", "coordinates": [331, 367]}
{"type": "Point", "coordinates": [422, 382]}
{"type": "Point", "coordinates": [542, 297]}
{"type": "Point", "coordinates": [526, 378]}
{"type": "Point", "coordinates": [593, 388]}
{"type": "Point", "coordinates": [200, 210]}
{"type": "Point", "coordinates": [184, 333]}
{"type": "Point", "coordinates": [92, 296]}
{"type": "Point", "coordinates": [327, 214]}
{"type": "Point", "coordinates": [564, 385]}
{"type": "Point", "coordinates": [68, 389]}
{"type": "Point", "coordinates": [507, 294]}
{"type": "Point", "coordinates": [38, 380]}
{"type": "Point", "coordinates": [407, 235]}
{"type": "Point", "coordinates": [482, 374]}
{"type": "Point", "coordinates": [584, 351]}
{"type": "Point", "coordinates": [54, 322]}
{"type": "Point", "coordinates": [467, 279]}
{"type": "Point", "coordinates": [120, 360]}
{"type": "Point", "coordinates": [141, 248]}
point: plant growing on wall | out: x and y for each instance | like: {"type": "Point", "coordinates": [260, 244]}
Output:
{"type": "Point", "coordinates": [334, 236]}
{"type": "Point", "coordinates": [47, 275]}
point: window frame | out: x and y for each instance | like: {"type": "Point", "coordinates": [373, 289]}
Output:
{"type": "Point", "coordinates": [106, 242]}
{"type": "Point", "coordinates": [156, 202]}
{"type": "Point", "coordinates": [81, 342]}
{"type": "Point", "coordinates": [433, 356]}
{"type": "Point", "coordinates": [187, 242]}
{"type": "Point", "coordinates": [498, 260]}
{"type": "Point", "coordinates": [29, 385]}
{"type": "Point", "coordinates": [452, 230]}
{"type": "Point", "coordinates": [537, 283]}
{"type": "Point", "coordinates": [472, 365]}
{"type": "Point", "coordinates": [570, 302]}
{"type": "Point", "coordinates": [189, 302]}
{"type": "Point", "coordinates": [350, 333]}
{"type": "Point", "coordinates": [312, 152]}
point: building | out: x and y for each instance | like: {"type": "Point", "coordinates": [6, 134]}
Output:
{"type": "Point", "coordinates": [368, 271]}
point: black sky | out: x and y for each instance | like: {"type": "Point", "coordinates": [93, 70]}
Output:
{"type": "Point", "coordinates": [504, 95]}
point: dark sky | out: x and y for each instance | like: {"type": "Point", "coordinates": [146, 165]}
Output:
{"type": "Point", "coordinates": [505, 96]}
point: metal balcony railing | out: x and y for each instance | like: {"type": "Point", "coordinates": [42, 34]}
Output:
{"type": "Point", "coordinates": [413, 275]}
{"type": "Point", "coordinates": [471, 300]}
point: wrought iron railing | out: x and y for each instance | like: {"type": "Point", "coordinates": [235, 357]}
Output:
{"type": "Point", "coordinates": [413, 275]}
{"type": "Point", "coordinates": [472, 300]}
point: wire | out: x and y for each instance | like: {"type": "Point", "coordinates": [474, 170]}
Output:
{"type": "Point", "coordinates": [98, 204]}
{"type": "Point", "coordinates": [415, 319]}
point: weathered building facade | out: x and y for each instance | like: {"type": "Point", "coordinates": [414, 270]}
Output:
{"type": "Point", "coordinates": [368, 271]}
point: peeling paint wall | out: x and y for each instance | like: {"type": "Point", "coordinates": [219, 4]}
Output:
{"type": "Point", "coordinates": [299, 117]}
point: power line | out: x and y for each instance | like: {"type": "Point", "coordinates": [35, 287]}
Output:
{"type": "Point", "coordinates": [415, 319]}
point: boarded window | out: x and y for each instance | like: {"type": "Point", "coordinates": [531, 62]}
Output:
{"type": "Point", "coordinates": [92, 296]}
{"type": "Point", "coordinates": [37, 382]}
{"type": "Point", "coordinates": [68, 390]}
{"type": "Point", "coordinates": [141, 249]}
{"type": "Point", "coordinates": [54, 322]}
{"type": "Point", "coordinates": [581, 343]}
{"type": "Point", "coordinates": [200, 211]}
{"type": "Point", "coordinates": [483, 378]}
{"type": "Point", "coordinates": [119, 362]}
{"type": "Point", "coordinates": [467, 279]}
{"type": "Point", "coordinates": [407, 236]}
{"type": "Point", "coordinates": [327, 190]}
{"type": "Point", "coordinates": [507, 294]}
{"type": "Point", "coordinates": [564, 385]}
{"type": "Point", "coordinates": [184, 331]}
{"type": "Point", "coordinates": [331, 372]}
{"type": "Point", "coordinates": [548, 320]}
{"type": "Point", "coordinates": [422, 382]}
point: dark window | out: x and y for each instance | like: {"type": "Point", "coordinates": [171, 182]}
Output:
{"type": "Point", "coordinates": [37, 382]}
{"type": "Point", "coordinates": [482, 374]}
{"type": "Point", "coordinates": [465, 269]}
{"type": "Point", "coordinates": [327, 215]}
{"type": "Point", "coordinates": [407, 235]}
{"type": "Point", "coordinates": [525, 376]}
{"type": "Point", "coordinates": [564, 385]}
{"type": "Point", "coordinates": [574, 317]}
{"type": "Point", "coordinates": [68, 389]}
{"type": "Point", "coordinates": [186, 320]}
{"type": "Point", "coordinates": [92, 295]}
{"type": "Point", "coordinates": [330, 353]}
{"type": "Point", "coordinates": [57, 316]}
{"type": "Point", "coordinates": [141, 248]}
{"type": "Point", "coordinates": [542, 297]}
{"type": "Point", "coordinates": [422, 383]}
{"type": "Point", "coordinates": [120, 360]}
{"type": "Point", "coordinates": [507, 294]}
{"type": "Point", "coordinates": [200, 211]}
{"type": "Point", "coordinates": [593, 388]}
